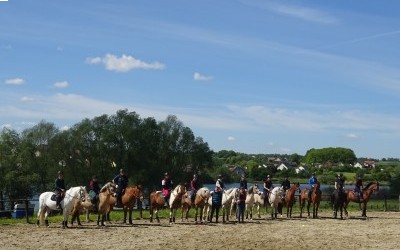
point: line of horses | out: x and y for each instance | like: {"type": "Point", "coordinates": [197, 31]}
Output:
{"type": "Point", "coordinates": [77, 198]}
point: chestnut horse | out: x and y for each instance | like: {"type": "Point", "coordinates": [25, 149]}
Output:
{"type": "Point", "coordinates": [106, 197]}
{"type": "Point", "coordinates": [129, 198]}
{"type": "Point", "coordinates": [157, 201]}
{"type": "Point", "coordinates": [290, 198]}
{"type": "Point", "coordinates": [186, 205]}
{"type": "Point", "coordinates": [315, 199]}
{"type": "Point", "coordinates": [366, 194]}
{"type": "Point", "coordinates": [175, 201]}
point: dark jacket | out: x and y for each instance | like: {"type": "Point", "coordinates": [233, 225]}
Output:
{"type": "Point", "coordinates": [243, 183]}
{"type": "Point", "coordinates": [121, 181]}
{"type": "Point", "coordinates": [195, 184]}
{"type": "Point", "coordinates": [59, 184]}
{"type": "Point", "coordinates": [286, 184]}
{"type": "Point", "coordinates": [216, 198]}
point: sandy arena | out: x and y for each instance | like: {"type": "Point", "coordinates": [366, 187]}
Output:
{"type": "Point", "coordinates": [379, 231]}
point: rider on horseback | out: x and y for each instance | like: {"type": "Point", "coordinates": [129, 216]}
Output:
{"type": "Point", "coordinates": [219, 182]}
{"type": "Point", "coordinates": [166, 186]}
{"type": "Point", "coordinates": [121, 182]}
{"type": "Point", "coordinates": [267, 188]}
{"type": "Point", "coordinates": [285, 185]}
{"type": "Point", "coordinates": [339, 182]}
{"type": "Point", "coordinates": [243, 182]}
{"type": "Point", "coordinates": [59, 188]}
{"type": "Point", "coordinates": [359, 187]}
{"type": "Point", "coordinates": [94, 190]}
{"type": "Point", "coordinates": [194, 185]}
{"type": "Point", "coordinates": [311, 181]}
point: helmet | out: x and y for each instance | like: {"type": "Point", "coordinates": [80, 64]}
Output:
{"type": "Point", "coordinates": [121, 170]}
{"type": "Point", "coordinates": [195, 176]}
{"type": "Point", "coordinates": [166, 173]}
{"type": "Point", "coordinates": [220, 176]}
{"type": "Point", "coordinates": [341, 174]}
{"type": "Point", "coordinates": [60, 172]}
{"type": "Point", "coordinates": [268, 176]}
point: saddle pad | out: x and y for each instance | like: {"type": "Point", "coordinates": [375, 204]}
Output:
{"type": "Point", "coordinates": [53, 197]}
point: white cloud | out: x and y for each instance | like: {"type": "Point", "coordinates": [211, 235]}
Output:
{"type": "Point", "coordinates": [305, 13]}
{"type": "Point", "coordinates": [352, 136]}
{"type": "Point", "coordinates": [199, 77]}
{"type": "Point", "coordinates": [231, 138]}
{"type": "Point", "coordinates": [27, 99]}
{"type": "Point", "coordinates": [124, 63]}
{"type": "Point", "coordinates": [15, 81]}
{"type": "Point", "coordinates": [61, 85]}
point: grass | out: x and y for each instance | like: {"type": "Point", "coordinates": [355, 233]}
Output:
{"type": "Point", "coordinates": [325, 206]}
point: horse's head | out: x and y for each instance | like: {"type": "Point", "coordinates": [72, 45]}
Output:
{"type": "Point", "coordinates": [180, 190]}
{"type": "Point", "coordinates": [139, 193]}
{"type": "Point", "coordinates": [83, 194]}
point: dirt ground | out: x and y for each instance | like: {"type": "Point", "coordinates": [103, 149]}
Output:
{"type": "Point", "coordinates": [379, 231]}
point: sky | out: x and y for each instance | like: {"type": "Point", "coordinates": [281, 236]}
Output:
{"type": "Point", "coordinates": [252, 76]}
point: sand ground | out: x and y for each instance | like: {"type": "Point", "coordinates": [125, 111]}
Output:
{"type": "Point", "coordinates": [379, 231]}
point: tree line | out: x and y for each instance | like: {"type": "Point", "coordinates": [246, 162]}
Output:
{"type": "Point", "coordinates": [144, 148]}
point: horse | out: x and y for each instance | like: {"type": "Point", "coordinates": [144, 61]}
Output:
{"type": "Point", "coordinates": [274, 198]}
{"type": "Point", "coordinates": [315, 199]}
{"type": "Point", "coordinates": [186, 204]}
{"type": "Point", "coordinates": [201, 202]}
{"type": "Point", "coordinates": [226, 204]}
{"type": "Point", "coordinates": [338, 200]}
{"type": "Point", "coordinates": [129, 198]}
{"type": "Point", "coordinates": [175, 201]}
{"type": "Point", "coordinates": [366, 194]}
{"type": "Point", "coordinates": [249, 203]}
{"type": "Point", "coordinates": [106, 197]}
{"type": "Point", "coordinates": [259, 201]}
{"type": "Point", "coordinates": [48, 203]}
{"type": "Point", "coordinates": [290, 199]}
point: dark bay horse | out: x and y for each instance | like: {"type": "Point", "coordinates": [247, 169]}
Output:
{"type": "Point", "coordinates": [290, 198]}
{"type": "Point", "coordinates": [366, 194]}
{"type": "Point", "coordinates": [338, 199]}
{"type": "Point", "coordinates": [315, 199]}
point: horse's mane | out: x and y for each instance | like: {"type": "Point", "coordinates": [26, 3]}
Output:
{"type": "Point", "coordinates": [107, 185]}
{"type": "Point", "coordinates": [371, 183]}
{"type": "Point", "coordinates": [250, 190]}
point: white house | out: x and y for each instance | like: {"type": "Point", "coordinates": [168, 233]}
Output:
{"type": "Point", "coordinates": [358, 165]}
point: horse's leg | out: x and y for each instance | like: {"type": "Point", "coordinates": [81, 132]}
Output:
{"type": "Point", "coordinates": [364, 209]}
{"type": "Point", "coordinates": [130, 215]}
{"type": "Point", "coordinates": [308, 208]}
{"type": "Point", "coordinates": [223, 214]}
{"type": "Point", "coordinates": [158, 219]}
{"type": "Point", "coordinates": [46, 217]}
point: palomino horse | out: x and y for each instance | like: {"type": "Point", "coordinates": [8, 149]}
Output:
{"type": "Point", "coordinates": [106, 197]}
{"type": "Point", "coordinates": [186, 204]}
{"type": "Point", "coordinates": [315, 199]}
{"type": "Point", "coordinates": [201, 202]}
{"type": "Point", "coordinates": [366, 194]}
{"type": "Point", "coordinates": [250, 200]}
{"type": "Point", "coordinates": [290, 198]}
{"type": "Point", "coordinates": [46, 204]}
{"type": "Point", "coordinates": [175, 201]}
{"type": "Point", "coordinates": [228, 196]}
{"type": "Point", "coordinates": [259, 201]}
{"type": "Point", "coordinates": [274, 198]}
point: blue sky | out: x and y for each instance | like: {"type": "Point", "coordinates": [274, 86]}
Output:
{"type": "Point", "coordinates": [250, 76]}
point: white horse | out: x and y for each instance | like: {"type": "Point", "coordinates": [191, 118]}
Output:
{"type": "Point", "coordinates": [228, 197]}
{"type": "Point", "coordinates": [250, 200]}
{"type": "Point", "coordinates": [175, 201]}
{"type": "Point", "coordinates": [274, 198]}
{"type": "Point", "coordinates": [46, 204]}
{"type": "Point", "coordinates": [259, 202]}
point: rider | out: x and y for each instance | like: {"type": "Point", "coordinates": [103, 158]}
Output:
{"type": "Point", "coordinates": [339, 182]}
{"type": "Point", "coordinates": [311, 181]}
{"type": "Point", "coordinates": [359, 187]}
{"type": "Point", "coordinates": [59, 188]}
{"type": "Point", "coordinates": [243, 182]}
{"type": "Point", "coordinates": [121, 182]}
{"type": "Point", "coordinates": [166, 186]}
{"type": "Point", "coordinates": [285, 185]}
{"type": "Point", "coordinates": [267, 188]}
{"type": "Point", "coordinates": [194, 185]}
{"type": "Point", "coordinates": [220, 182]}
{"type": "Point", "coordinates": [94, 190]}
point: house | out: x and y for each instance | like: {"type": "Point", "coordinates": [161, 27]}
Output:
{"type": "Point", "coordinates": [358, 165]}
{"type": "Point", "coordinates": [284, 166]}
{"type": "Point", "coordinates": [237, 170]}
{"type": "Point", "coordinates": [299, 169]}
{"type": "Point", "coordinates": [369, 164]}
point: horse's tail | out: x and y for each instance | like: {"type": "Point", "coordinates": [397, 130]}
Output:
{"type": "Point", "coordinates": [42, 210]}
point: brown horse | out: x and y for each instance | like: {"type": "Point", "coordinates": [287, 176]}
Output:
{"type": "Point", "coordinates": [186, 205]}
{"type": "Point", "coordinates": [129, 198]}
{"type": "Point", "coordinates": [315, 199]}
{"type": "Point", "coordinates": [366, 194]}
{"type": "Point", "coordinates": [290, 198]}
{"type": "Point", "coordinates": [106, 197]}
{"type": "Point", "coordinates": [157, 201]}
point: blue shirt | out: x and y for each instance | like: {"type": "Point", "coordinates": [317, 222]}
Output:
{"type": "Point", "coordinates": [311, 181]}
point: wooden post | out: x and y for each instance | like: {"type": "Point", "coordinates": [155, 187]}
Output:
{"type": "Point", "coordinates": [385, 208]}
{"type": "Point", "coordinates": [26, 210]}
